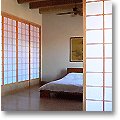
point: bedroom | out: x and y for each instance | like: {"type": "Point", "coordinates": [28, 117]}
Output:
{"type": "Point", "coordinates": [44, 64]}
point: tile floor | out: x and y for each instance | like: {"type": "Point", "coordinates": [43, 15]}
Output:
{"type": "Point", "coordinates": [29, 100]}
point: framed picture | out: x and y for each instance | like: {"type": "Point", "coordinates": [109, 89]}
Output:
{"type": "Point", "coordinates": [76, 49]}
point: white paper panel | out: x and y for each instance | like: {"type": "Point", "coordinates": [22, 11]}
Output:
{"type": "Point", "coordinates": [9, 21]}
{"type": "Point", "coordinates": [94, 8]}
{"type": "Point", "coordinates": [94, 50]}
{"type": "Point", "coordinates": [108, 50]}
{"type": "Point", "coordinates": [5, 55]}
{"type": "Point", "coordinates": [108, 65]}
{"type": "Point", "coordinates": [14, 23]}
{"type": "Point", "coordinates": [95, 36]}
{"type": "Point", "coordinates": [9, 80]}
{"type": "Point", "coordinates": [14, 67]}
{"type": "Point", "coordinates": [94, 65]}
{"type": "Point", "coordinates": [9, 35]}
{"type": "Point", "coordinates": [5, 69]}
{"type": "Point", "coordinates": [108, 21]}
{"type": "Point", "coordinates": [94, 22]}
{"type": "Point", "coordinates": [9, 48]}
{"type": "Point", "coordinates": [5, 74]}
{"type": "Point", "coordinates": [23, 78]}
{"type": "Point", "coordinates": [9, 68]}
{"type": "Point", "coordinates": [5, 81]}
{"type": "Point", "coordinates": [108, 36]}
{"type": "Point", "coordinates": [14, 79]}
{"type": "Point", "coordinates": [10, 61]}
{"type": "Point", "coordinates": [9, 27]}
{"type": "Point", "coordinates": [108, 106]}
{"type": "Point", "coordinates": [37, 75]}
{"type": "Point", "coordinates": [14, 42]}
{"type": "Point", "coordinates": [20, 71]}
{"type": "Point", "coordinates": [5, 28]}
{"type": "Point", "coordinates": [108, 94]}
{"type": "Point", "coordinates": [10, 73]}
{"type": "Point", "coordinates": [23, 25]}
{"type": "Point", "coordinates": [27, 77]}
{"type": "Point", "coordinates": [14, 55]}
{"type": "Point", "coordinates": [14, 35]}
{"type": "Point", "coordinates": [108, 79]}
{"type": "Point", "coordinates": [14, 48]}
{"type": "Point", "coordinates": [107, 7]}
{"type": "Point", "coordinates": [10, 55]}
{"type": "Point", "coordinates": [5, 47]}
{"type": "Point", "coordinates": [19, 78]}
{"type": "Point", "coordinates": [94, 105]}
{"type": "Point", "coordinates": [95, 93]}
{"type": "Point", "coordinates": [14, 73]}
{"type": "Point", "coordinates": [5, 20]}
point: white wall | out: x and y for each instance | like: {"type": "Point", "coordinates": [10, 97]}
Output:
{"type": "Point", "coordinates": [57, 31]}
{"type": "Point", "coordinates": [21, 10]}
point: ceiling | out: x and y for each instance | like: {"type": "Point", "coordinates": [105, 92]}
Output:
{"type": "Point", "coordinates": [53, 6]}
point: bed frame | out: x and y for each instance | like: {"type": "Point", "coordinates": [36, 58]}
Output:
{"type": "Point", "coordinates": [47, 93]}
{"type": "Point", "coordinates": [77, 70]}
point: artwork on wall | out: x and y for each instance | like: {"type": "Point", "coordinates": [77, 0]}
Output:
{"type": "Point", "coordinates": [76, 49]}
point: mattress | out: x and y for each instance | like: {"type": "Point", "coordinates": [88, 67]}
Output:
{"type": "Point", "coordinates": [72, 82]}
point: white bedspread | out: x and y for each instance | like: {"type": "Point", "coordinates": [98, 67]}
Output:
{"type": "Point", "coordinates": [72, 82]}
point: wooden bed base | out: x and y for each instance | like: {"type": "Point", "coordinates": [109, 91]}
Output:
{"type": "Point", "coordinates": [76, 70]}
{"type": "Point", "coordinates": [45, 93]}
{"type": "Point", "coordinates": [61, 94]}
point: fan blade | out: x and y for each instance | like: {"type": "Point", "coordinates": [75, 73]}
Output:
{"type": "Point", "coordinates": [65, 13]}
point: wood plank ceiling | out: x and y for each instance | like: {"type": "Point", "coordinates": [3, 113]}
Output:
{"type": "Point", "coordinates": [50, 6]}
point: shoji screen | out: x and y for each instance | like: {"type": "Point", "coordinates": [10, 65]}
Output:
{"type": "Point", "coordinates": [20, 50]}
{"type": "Point", "coordinates": [34, 52]}
{"type": "Point", "coordinates": [9, 52]}
{"type": "Point", "coordinates": [23, 51]}
{"type": "Point", "coordinates": [1, 51]}
{"type": "Point", "coordinates": [98, 55]}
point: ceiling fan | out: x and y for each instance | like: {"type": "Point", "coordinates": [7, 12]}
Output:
{"type": "Point", "coordinates": [75, 11]}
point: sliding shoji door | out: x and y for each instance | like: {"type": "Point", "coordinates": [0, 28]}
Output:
{"type": "Point", "coordinates": [98, 58]}
{"type": "Point", "coordinates": [20, 50]}
{"type": "Point", "coordinates": [34, 52]}
{"type": "Point", "coordinates": [23, 51]}
{"type": "Point", "coordinates": [1, 51]}
{"type": "Point", "coordinates": [8, 50]}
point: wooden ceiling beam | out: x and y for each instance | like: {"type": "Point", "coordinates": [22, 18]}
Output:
{"type": "Point", "coordinates": [25, 1]}
{"type": "Point", "coordinates": [56, 9]}
{"type": "Point", "coordinates": [51, 3]}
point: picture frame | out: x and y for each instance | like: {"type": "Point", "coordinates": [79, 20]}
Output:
{"type": "Point", "coordinates": [76, 49]}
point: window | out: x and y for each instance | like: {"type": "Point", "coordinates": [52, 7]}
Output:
{"type": "Point", "coordinates": [20, 50]}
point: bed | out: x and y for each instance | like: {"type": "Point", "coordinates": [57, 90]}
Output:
{"type": "Point", "coordinates": [69, 86]}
